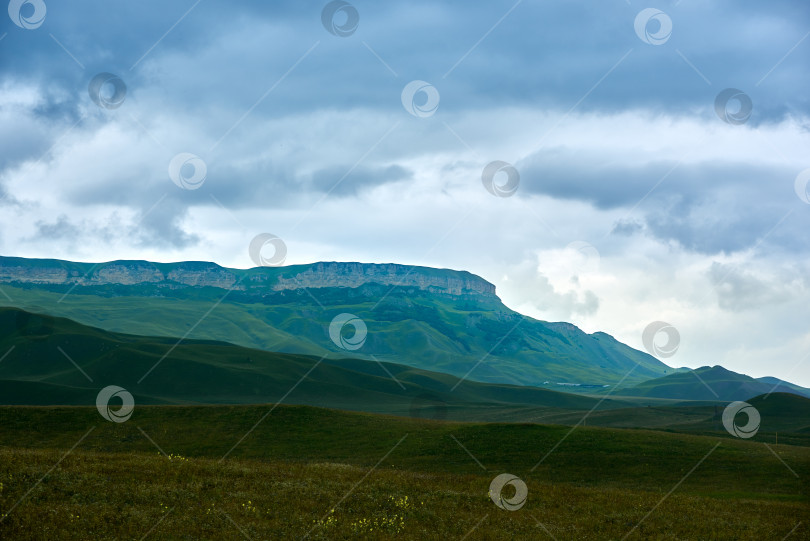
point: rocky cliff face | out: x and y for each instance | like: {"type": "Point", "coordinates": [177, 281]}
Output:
{"type": "Point", "coordinates": [201, 274]}
{"type": "Point", "coordinates": [357, 274]}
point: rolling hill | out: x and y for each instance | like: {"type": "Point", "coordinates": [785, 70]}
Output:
{"type": "Point", "coordinates": [50, 360]}
{"type": "Point", "coordinates": [712, 383]}
{"type": "Point", "coordinates": [56, 361]}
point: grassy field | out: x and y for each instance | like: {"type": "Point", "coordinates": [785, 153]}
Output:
{"type": "Point", "coordinates": [329, 474]}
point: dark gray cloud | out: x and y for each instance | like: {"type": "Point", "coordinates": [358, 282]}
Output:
{"type": "Point", "coordinates": [223, 61]}
{"type": "Point", "coordinates": [608, 182]}
{"type": "Point", "coordinates": [61, 229]}
{"type": "Point", "coordinates": [546, 54]}
{"type": "Point", "coordinates": [5, 198]}
{"type": "Point", "coordinates": [345, 180]}
{"type": "Point", "coordinates": [627, 227]}
{"type": "Point", "coordinates": [731, 226]}
{"type": "Point", "coordinates": [705, 207]}
{"type": "Point", "coordinates": [161, 227]}
{"type": "Point", "coordinates": [738, 289]}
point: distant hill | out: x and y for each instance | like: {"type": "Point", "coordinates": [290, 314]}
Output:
{"type": "Point", "coordinates": [711, 383]}
{"type": "Point", "coordinates": [782, 383]}
{"type": "Point", "coordinates": [434, 319]}
{"type": "Point", "coordinates": [50, 361]}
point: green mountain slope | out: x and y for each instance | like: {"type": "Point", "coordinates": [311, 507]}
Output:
{"type": "Point", "coordinates": [434, 319]}
{"type": "Point", "coordinates": [51, 360]}
{"type": "Point", "coordinates": [710, 383]}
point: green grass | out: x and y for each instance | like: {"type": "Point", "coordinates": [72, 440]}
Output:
{"type": "Point", "coordinates": [301, 462]}
{"type": "Point", "coordinates": [106, 496]}
{"type": "Point", "coordinates": [652, 460]}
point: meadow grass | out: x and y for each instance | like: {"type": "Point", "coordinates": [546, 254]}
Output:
{"type": "Point", "coordinates": [328, 474]}
{"type": "Point", "coordinates": [129, 496]}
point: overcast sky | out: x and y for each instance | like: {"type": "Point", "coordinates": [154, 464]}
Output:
{"type": "Point", "coordinates": [639, 190]}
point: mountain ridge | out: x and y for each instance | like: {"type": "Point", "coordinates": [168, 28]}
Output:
{"type": "Point", "coordinates": [208, 274]}
{"type": "Point", "coordinates": [432, 319]}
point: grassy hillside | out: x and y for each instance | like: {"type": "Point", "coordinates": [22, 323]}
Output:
{"type": "Point", "coordinates": [710, 383]}
{"type": "Point", "coordinates": [307, 470]}
{"type": "Point", "coordinates": [39, 369]}
{"type": "Point", "coordinates": [475, 335]}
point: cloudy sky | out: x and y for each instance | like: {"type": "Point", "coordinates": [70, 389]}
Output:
{"type": "Point", "coordinates": [632, 186]}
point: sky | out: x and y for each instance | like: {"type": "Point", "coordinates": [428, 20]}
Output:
{"type": "Point", "coordinates": [613, 164]}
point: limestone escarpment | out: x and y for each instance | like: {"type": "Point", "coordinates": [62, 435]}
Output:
{"type": "Point", "coordinates": [356, 274]}
{"type": "Point", "coordinates": [205, 274]}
